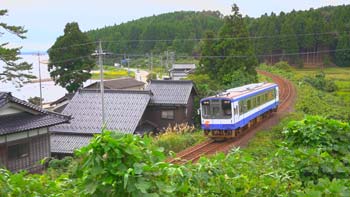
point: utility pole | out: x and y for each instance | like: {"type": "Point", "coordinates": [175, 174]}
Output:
{"type": "Point", "coordinates": [128, 66]}
{"type": "Point", "coordinates": [167, 60]}
{"type": "Point", "coordinates": [151, 62]}
{"type": "Point", "coordinates": [40, 86]}
{"type": "Point", "coordinates": [100, 62]}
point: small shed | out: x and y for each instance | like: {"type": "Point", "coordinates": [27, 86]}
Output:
{"type": "Point", "coordinates": [172, 102]}
{"type": "Point", "coordinates": [24, 135]}
{"type": "Point", "coordinates": [180, 71]}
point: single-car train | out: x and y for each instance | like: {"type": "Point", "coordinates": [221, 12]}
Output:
{"type": "Point", "coordinates": [227, 114]}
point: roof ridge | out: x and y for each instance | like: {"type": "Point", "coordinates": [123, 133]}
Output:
{"type": "Point", "coordinates": [171, 81]}
{"type": "Point", "coordinates": [117, 91]}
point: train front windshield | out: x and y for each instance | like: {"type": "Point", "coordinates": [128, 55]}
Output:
{"type": "Point", "coordinates": [216, 109]}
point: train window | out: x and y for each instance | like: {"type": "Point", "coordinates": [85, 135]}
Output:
{"type": "Point", "coordinates": [253, 102]}
{"type": "Point", "coordinates": [226, 108]}
{"type": "Point", "coordinates": [205, 109]}
{"type": "Point", "coordinates": [240, 107]}
{"type": "Point", "coordinates": [258, 101]}
{"type": "Point", "coordinates": [216, 111]}
{"type": "Point", "coordinates": [249, 104]}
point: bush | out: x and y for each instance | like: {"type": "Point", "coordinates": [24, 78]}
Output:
{"type": "Point", "coordinates": [320, 82]}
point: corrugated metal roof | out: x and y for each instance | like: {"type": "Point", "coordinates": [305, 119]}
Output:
{"type": "Point", "coordinates": [123, 111]}
{"type": "Point", "coordinates": [68, 143]}
{"type": "Point", "coordinates": [172, 92]}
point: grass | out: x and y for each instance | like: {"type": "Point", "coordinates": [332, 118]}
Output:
{"type": "Point", "coordinates": [111, 72]}
{"type": "Point", "coordinates": [340, 76]}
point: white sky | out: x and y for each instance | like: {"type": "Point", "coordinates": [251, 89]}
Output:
{"type": "Point", "coordinates": [45, 19]}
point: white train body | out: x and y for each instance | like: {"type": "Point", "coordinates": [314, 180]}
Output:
{"type": "Point", "coordinates": [235, 108]}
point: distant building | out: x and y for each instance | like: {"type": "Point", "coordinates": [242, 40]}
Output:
{"type": "Point", "coordinates": [61, 103]}
{"type": "Point", "coordinates": [123, 112]}
{"type": "Point", "coordinates": [118, 84]}
{"type": "Point", "coordinates": [172, 103]}
{"type": "Point", "coordinates": [180, 71]}
{"type": "Point", "coordinates": [24, 135]}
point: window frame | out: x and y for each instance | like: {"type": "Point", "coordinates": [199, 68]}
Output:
{"type": "Point", "coordinates": [19, 151]}
{"type": "Point", "coordinates": [167, 117]}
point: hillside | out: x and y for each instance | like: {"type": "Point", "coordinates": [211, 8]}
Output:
{"type": "Point", "coordinates": [305, 38]}
{"type": "Point", "coordinates": [170, 27]}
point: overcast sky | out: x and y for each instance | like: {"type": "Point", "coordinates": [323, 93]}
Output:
{"type": "Point", "coordinates": [45, 19]}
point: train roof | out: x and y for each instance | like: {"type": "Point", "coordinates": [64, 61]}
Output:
{"type": "Point", "coordinates": [242, 91]}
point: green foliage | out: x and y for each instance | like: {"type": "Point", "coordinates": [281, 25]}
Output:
{"type": "Point", "coordinates": [113, 73]}
{"type": "Point", "coordinates": [173, 142]}
{"type": "Point", "coordinates": [283, 36]}
{"type": "Point", "coordinates": [70, 58]}
{"type": "Point", "coordinates": [122, 165]}
{"type": "Point", "coordinates": [231, 70]}
{"type": "Point", "coordinates": [152, 76]}
{"type": "Point", "coordinates": [342, 55]}
{"type": "Point", "coordinates": [12, 69]}
{"type": "Point", "coordinates": [174, 27]}
{"type": "Point", "coordinates": [35, 100]}
{"type": "Point", "coordinates": [23, 184]}
{"type": "Point", "coordinates": [320, 82]}
{"type": "Point", "coordinates": [315, 131]}
{"type": "Point", "coordinates": [178, 137]}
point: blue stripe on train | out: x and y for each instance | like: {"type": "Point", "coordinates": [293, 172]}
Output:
{"type": "Point", "coordinates": [241, 123]}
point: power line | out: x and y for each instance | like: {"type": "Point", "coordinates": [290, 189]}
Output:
{"type": "Point", "coordinates": [71, 59]}
{"type": "Point", "coordinates": [245, 55]}
{"type": "Point", "coordinates": [333, 33]}
{"type": "Point", "coordinates": [72, 46]}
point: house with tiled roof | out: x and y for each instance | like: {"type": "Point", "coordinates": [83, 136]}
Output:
{"type": "Point", "coordinates": [24, 135]}
{"type": "Point", "coordinates": [123, 113]}
{"type": "Point", "coordinates": [163, 103]}
{"type": "Point", "coordinates": [180, 71]}
{"type": "Point", "coordinates": [172, 103]}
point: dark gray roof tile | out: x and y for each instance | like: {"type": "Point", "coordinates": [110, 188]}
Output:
{"type": "Point", "coordinates": [24, 121]}
{"type": "Point", "coordinates": [172, 92]}
{"type": "Point", "coordinates": [123, 111]}
{"type": "Point", "coordinates": [68, 143]}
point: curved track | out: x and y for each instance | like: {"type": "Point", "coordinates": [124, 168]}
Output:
{"type": "Point", "coordinates": [287, 94]}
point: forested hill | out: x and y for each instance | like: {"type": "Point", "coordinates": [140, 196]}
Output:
{"type": "Point", "coordinates": [173, 27]}
{"type": "Point", "coordinates": [313, 37]}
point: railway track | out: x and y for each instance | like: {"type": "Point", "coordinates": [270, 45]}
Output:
{"type": "Point", "coordinates": [210, 147]}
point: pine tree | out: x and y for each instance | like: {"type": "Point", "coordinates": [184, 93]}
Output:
{"type": "Point", "coordinates": [208, 64]}
{"type": "Point", "coordinates": [70, 61]}
{"type": "Point", "coordinates": [10, 69]}
{"type": "Point", "coordinates": [238, 62]}
{"type": "Point", "coordinates": [342, 54]}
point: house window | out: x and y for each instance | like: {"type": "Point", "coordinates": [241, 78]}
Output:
{"type": "Point", "coordinates": [18, 151]}
{"type": "Point", "coordinates": [168, 114]}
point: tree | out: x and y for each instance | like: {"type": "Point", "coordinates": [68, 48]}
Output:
{"type": "Point", "coordinates": [11, 69]}
{"type": "Point", "coordinates": [35, 100]}
{"type": "Point", "coordinates": [342, 55]}
{"type": "Point", "coordinates": [70, 58]}
{"type": "Point", "coordinates": [235, 61]}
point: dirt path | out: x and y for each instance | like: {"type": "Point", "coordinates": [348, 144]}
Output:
{"type": "Point", "coordinates": [287, 100]}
